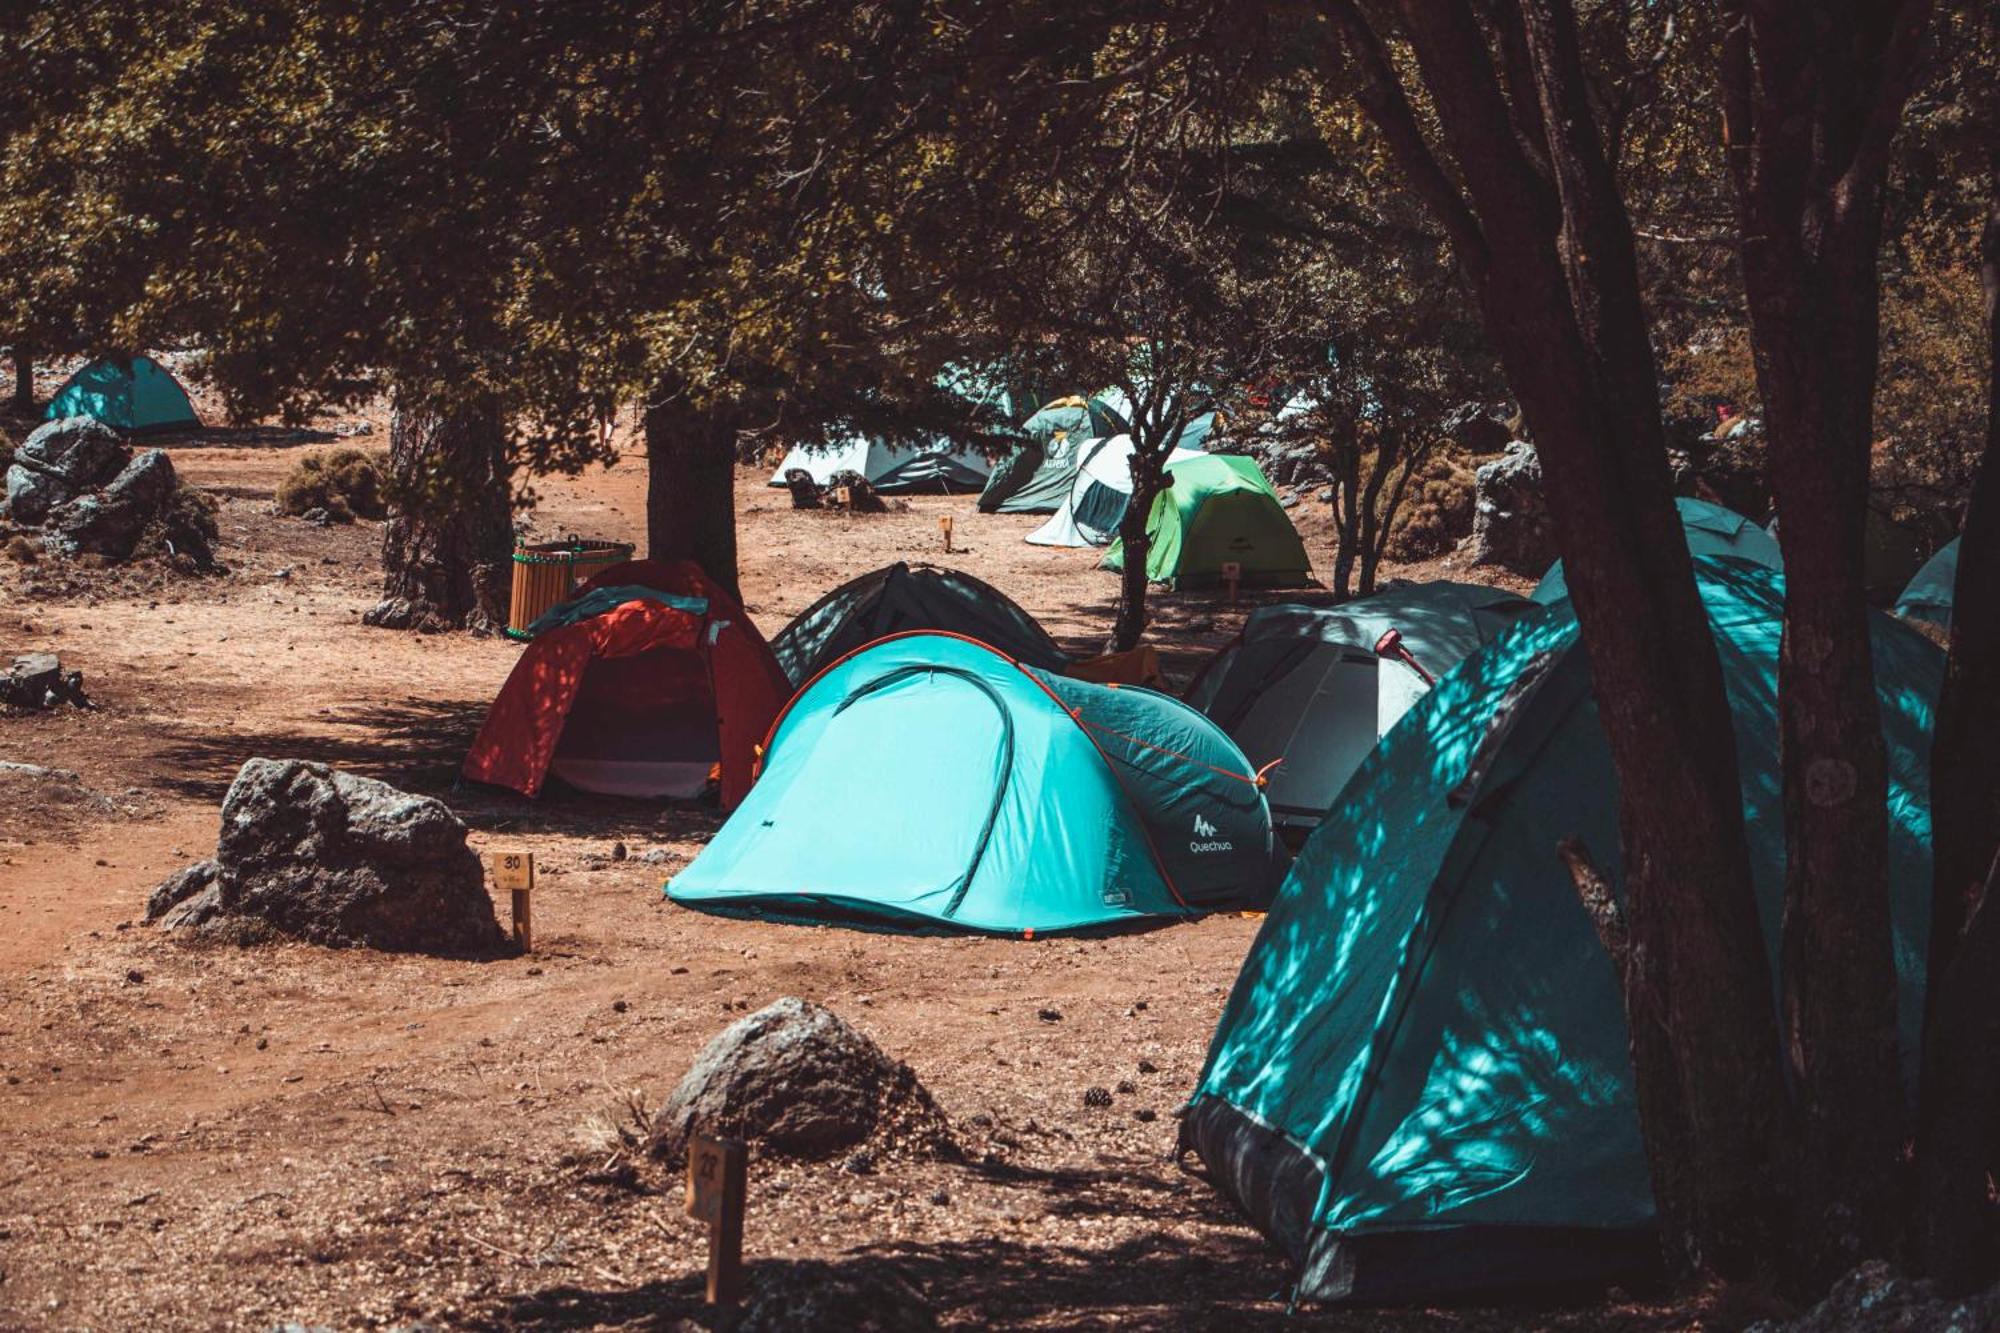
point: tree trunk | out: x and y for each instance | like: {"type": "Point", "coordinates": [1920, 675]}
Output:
{"type": "Point", "coordinates": [1960, 1104]}
{"type": "Point", "coordinates": [445, 551]}
{"type": "Point", "coordinates": [24, 379]}
{"type": "Point", "coordinates": [1374, 523]}
{"type": "Point", "coordinates": [1809, 174]}
{"type": "Point", "coordinates": [1135, 541]}
{"type": "Point", "coordinates": [1346, 521]}
{"type": "Point", "coordinates": [691, 486]}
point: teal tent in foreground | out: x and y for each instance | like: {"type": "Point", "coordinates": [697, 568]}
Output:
{"type": "Point", "coordinates": [1928, 598]}
{"type": "Point", "coordinates": [135, 396]}
{"type": "Point", "coordinates": [1711, 530]}
{"type": "Point", "coordinates": [932, 782]}
{"type": "Point", "coordinates": [1419, 1088]}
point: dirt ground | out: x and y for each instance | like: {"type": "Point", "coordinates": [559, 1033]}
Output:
{"type": "Point", "coordinates": [211, 1137]}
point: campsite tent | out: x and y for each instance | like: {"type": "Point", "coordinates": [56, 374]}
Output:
{"type": "Point", "coordinates": [898, 599]}
{"type": "Point", "coordinates": [1305, 685]}
{"type": "Point", "coordinates": [1098, 494]}
{"type": "Point", "coordinates": [1420, 1087]}
{"type": "Point", "coordinates": [1711, 530]}
{"type": "Point", "coordinates": [1929, 595]}
{"type": "Point", "coordinates": [1035, 478]}
{"type": "Point", "coordinates": [645, 698]}
{"type": "Point", "coordinates": [930, 781]}
{"type": "Point", "coordinates": [940, 466]}
{"type": "Point", "coordinates": [1220, 508]}
{"type": "Point", "coordinates": [1096, 417]}
{"type": "Point", "coordinates": [135, 396]}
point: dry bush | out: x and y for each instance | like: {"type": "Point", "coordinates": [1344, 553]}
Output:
{"type": "Point", "coordinates": [1437, 510]}
{"type": "Point", "coordinates": [185, 526]}
{"type": "Point", "coordinates": [346, 483]}
{"type": "Point", "coordinates": [23, 550]}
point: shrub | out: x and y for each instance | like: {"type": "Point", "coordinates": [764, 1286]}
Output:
{"type": "Point", "coordinates": [185, 527]}
{"type": "Point", "coordinates": [340, 481]}
{"type": "Point", "coordinates": [1437, 510]}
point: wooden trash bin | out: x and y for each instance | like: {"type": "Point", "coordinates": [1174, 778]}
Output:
{"type": "Point", "coordinates": [550, 572]}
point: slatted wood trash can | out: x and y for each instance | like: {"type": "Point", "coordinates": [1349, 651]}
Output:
{"type": "Point", "coordinates": [550, 572]}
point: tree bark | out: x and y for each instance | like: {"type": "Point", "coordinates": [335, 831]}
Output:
{"type": "Point", "coordinates": [24, 378]}
{"type": "Point", "coordinates": [691, 485]}
{"type": "Point", "coordinates": [1960, 1103]}
{"type": "Point", "coordinates": [1810, 108]}
{"type": "Point", "coordinates": [1346, 520]}
{"type": "Point", "coordinates": [1135, 540]}
{"type": "Point", "coordinates": [446, 549]}
{"type": "Point", "coordinates": [1542, 237]}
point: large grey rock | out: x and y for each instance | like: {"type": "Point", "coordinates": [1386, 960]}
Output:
{"type": "Point", "coordinates": [1874, 1299]}
{"type": "Point", "coordinates": [109, 524]}
{"type": "Point", "coordinates": [336, 859]}
{"type": "Point", "coordinates": [796, 1080]}
{"type": "Point", "coordinates": [1510, 519]}
{"type": "Point", "coordinates": [81, 451]}
{"type": "Point", "coordinates": [30, 495]}
{"type": "Point", "coordinates": [37, 680]}
{"type": "Point", "coordinates": [178, 887]}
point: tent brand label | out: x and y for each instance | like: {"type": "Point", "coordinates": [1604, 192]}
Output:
{"type": "Point", "coordinates": [1205, 839]}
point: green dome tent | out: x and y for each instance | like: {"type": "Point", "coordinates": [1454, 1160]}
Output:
{"type": "Point", "coordinates": [931, 782]}
{"type": "Point", "coordinates": [135, 396]}
{"type": "Point", "coordinates": [1420, 1087]}
{"type": "Point", "coordinates": [1219, 509]}
{"type": "Point", "coordinates": [899, 599]}
{"type": "Point", "coordinates": [1316, 687]}
{"type": "Point", "coordinates": [1711, 530]}
{"type": "Point", "coordinates": [1928, 598]}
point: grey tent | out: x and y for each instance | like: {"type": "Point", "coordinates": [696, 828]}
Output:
{"type": "Point", "coordinates": [1928, 597]}
{"type": "Point", "coordinates": [1305, 685]}
{"type": "Point", "coordinates": [1035, 478]}
{"type": "Point", "coordinates": [898, 599]}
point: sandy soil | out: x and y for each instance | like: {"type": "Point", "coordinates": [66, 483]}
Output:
{"type": "Point", "coordinates": [207, 1137]}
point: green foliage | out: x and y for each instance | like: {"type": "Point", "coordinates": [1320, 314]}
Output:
{"type": "Point", "coordinates": [346, 483]}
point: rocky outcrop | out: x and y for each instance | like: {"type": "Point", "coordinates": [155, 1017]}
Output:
{"type": "Point", "coordinates": [1510, 519]}
{"type": "Point", "coordinates": [1875, 1299]}
{"type": "Point", "coordinates": [315, 854]}
{"type": "Point", "coordinates": [796, 1080]}
{"type": "Point", "coordinates": [77, 481]}
{"type": "Point", "coordinates": [60, 461]}
{"type": "Point", "coordinates": [109, 523]}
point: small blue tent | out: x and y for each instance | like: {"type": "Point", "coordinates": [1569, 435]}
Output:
{"type": "Point", "coordinates": [1928, 598]}
{"type": "Point", "coordinates": [1711, 530]}
{"type": "Point", "coordinates": [929, 781]}
{"type": "Point", "coordinates": [1420, 1087]}
{"type": "Point", "coordinates": [135, 396]}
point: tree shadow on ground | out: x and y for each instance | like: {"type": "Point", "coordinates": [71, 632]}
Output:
{"type": "Point", "coordinates": [418, 745]}
{"type": "Point", "coordinates": [1184, 627]}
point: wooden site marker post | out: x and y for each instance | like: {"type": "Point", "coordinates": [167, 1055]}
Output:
{"type": "Point", "coordinates": [1232, 574]}
{"type": "Point", "coordinates": [716, 1186]}
{"type": "Point", "coordinates": [515, 872]}
{"type": "Point", "coordinates": [944, 526]}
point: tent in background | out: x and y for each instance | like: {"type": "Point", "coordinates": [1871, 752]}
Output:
{"type": "Point", "coordinates": [648, 697]}
{"type": "Point", "coordinates": [1098, 494]}
{"type": "Point", "coordinates": [898, 599]}
{"type": "Point", "coordinates": [1928, 598]}
{"type": "Point", "coordinates": [134, 396]}
{"type": "Point", "coordinates": [1305, 684]}
{"type": "Point", "coordinates": [931, 782]}
{"type": "Point", "coordinates": [1100, 415]}
{"type": "Point", "coordinates": [939, 467]}
{"type": "Point", "coordinates": [1421, 1086]}
{"type": "Point", "coordinates": [1711, 530]}
{"type": "Point", "coordinates": [1035, 478]}
{"type": "Point", "coordinates": [1220, 509]}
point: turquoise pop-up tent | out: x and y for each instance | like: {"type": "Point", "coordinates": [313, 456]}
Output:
{"type": "Point", "coordinates": [932, 782]}
{"type": "Point", "coordinates": [1420, 1086]}
{"type": "Point", "coordinates": [1928, 598]}
{"type": "Point", "coordinates": [1711, 530]}
{"type": "Point", "coordinates": [135, 396]}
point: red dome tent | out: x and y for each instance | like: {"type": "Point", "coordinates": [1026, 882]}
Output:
{"type": "Point", "coordinates": [644, 699]}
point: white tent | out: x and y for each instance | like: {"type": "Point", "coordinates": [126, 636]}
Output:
{"type": "Point", "coordinates": [890, 468]}
{"type": "Point", "coordinates": [1098, 496]}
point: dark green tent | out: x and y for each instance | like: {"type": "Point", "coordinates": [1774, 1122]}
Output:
{"type": "Point", "coordinates": [898, 599]}
{"type": "Point", "coordinates": [1420, 1088]}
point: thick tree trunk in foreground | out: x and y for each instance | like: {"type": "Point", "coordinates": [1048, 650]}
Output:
{"type": "Point", "coordinates": [691, 487]}
{"type": "Point", "coordinates": [1957, 1139]}
{"type": "Point", "coordinates": [446, 549]}
{"type": "Point", "coordinates": [24, 379]}
{"type": "Point", "coordinates": [1809, 165]}
{"type": "Point", "coordinates": [1541, 233]}
{"type": "Point", "coordinates": [1148, 480]}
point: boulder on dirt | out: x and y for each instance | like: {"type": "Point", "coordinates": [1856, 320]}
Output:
{"type": "Point", "coordinates": [1510, 519]}
{"type": "Point", "coordinates": [38, 681]}
{"type": "Point", "coordinates": [863, 1296]}
{"type": "Point", "coordinates": [109, 524]}
{"type": "Point", "coordinates": [1875, 1299]}
{"type": "Point", "coordinates": [798, 1081]}
{"type": "Point", "coordinates": [860, 496]}
{"type": "Point", "coordinates": [331, 858]}
{"type": "Point", "coordinates": [805, 491]}
{"type": "Point", "coordinates": [178, 887]}
{"type": "Point", "coordinates": [59, 461]}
